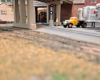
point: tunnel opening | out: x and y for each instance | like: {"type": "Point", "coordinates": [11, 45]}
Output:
{"type": "Point", "coordinates": [41, 14]}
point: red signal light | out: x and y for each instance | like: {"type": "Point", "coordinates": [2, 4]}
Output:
{"type": "Point", "coordinates": [51, 5]}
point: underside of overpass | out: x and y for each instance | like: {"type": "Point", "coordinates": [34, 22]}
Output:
{"type": "Point", "coordinates": [52, 1]}
{"type": "Point", "coordinates": [20, 13]}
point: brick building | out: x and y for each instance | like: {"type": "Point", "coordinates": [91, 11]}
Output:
{"type": "Point", "coordinates": [91, 2]}
{"type": "Point", "coordinates": [71, 10]}
{"type": "Point", "coordinates": [77, 4]}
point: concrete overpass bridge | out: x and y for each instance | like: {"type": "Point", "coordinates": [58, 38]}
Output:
{"type": "Point", "coordinates": [20, 13]}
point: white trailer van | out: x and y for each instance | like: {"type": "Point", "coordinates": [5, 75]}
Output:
{"type": "Point", "coordinates": [86, 15]}
{"type": "Point", "coordinates": [89, 14]}
{"type": "Point", "coordinates": [80, 16]}
{"type": "Point", "coordinates": [98, 12]}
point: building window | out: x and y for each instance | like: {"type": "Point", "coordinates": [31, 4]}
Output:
{"type": "Point", "coordinates": [8, 0]}
{"type": "Point", "coordinates": [2, 0]}
{"type": "Point", "coordinates": [95, 1]}
{"type": "Point", "coordinates": [91, 1]}
{"type": "Point", "coordinates": [11, 0]}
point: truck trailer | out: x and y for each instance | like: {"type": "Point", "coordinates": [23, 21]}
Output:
{"type": "Point", "coordinates": [89, 14]}
{"type": "Point", "coordinates": [85, 15]}
{"type": "Point", "coordinates": [98, 12]}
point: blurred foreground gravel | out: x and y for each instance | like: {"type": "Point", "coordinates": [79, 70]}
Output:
{"type": "Point", "coordinates": [29, 55]}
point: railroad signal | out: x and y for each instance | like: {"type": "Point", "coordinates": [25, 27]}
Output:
{"type": "Point", "coordinates": [51, 5]}
{"type": "Point", "coordinates": [51, 12]}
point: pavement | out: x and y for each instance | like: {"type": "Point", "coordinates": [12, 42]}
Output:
{"type": "Point", "coordinates": [89, 34]}
{"type": "Point", "coordinates": [8, 24]}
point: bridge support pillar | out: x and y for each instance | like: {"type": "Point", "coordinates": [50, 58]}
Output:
{"type": "Point", "coordinates": [48, 13]}
{"type": "Point", "coordinates": [30, 11]}
{"type": "Point", "coordinates": [16, 11]}
{"type": "Point", "coordinates": [58, 14]}
{"type": "Point", "coordinates": [22, 12]}
{"type": "Point", "coordinates": [31, 14]}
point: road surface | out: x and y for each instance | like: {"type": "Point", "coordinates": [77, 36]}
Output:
{"type": "Point", "coordinates": [89, 34]}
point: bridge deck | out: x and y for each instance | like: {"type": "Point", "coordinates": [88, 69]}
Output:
{"type": "Point", "coordinates": [48, 1]}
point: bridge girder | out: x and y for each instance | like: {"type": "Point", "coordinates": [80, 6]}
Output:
{"type": "Point", "coordinates": [50, 1]}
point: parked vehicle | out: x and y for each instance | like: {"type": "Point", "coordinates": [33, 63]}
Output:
{"type": "Point", "coordinates": [74, 21]}
{"type": "Point", "coordinates": [85, 15]}
{"type": "Point", "coordinates": [98, 12]}
{"type": "Point", "coordinates": [89, 14]}
{"type": "Point", "coordinates": [4, 22]}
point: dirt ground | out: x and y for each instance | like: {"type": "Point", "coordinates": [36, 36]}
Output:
{"type": "Point", "coordinates": [28, 55]}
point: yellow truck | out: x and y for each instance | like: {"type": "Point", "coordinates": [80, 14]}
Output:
{"type": "Point", "coordinates": [74, 21]}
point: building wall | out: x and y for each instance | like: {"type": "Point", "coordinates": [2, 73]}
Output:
{"type": "Point", "coordinates": [88, 2]}
{"type": "Point", "coordinates": [66, 10]}
{"type": "Point", "coordinates": [70, 10]}
{"type": "Point", "coordinates": [78, 1]}
{"type": "Point", "coordinates": [6, 12]}
{"type": "Point", "coordinates": [75, 8]}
